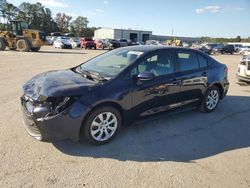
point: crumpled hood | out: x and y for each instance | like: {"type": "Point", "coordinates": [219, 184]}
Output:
{"type": "Point", "coordinates": [60, 83]}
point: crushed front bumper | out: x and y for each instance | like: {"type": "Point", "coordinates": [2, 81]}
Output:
{"type": "Point", "coordinates": [65, 125]}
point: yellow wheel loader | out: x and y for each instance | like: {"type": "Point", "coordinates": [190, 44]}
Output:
{"type": "Point", "coordinates": [22, 38]}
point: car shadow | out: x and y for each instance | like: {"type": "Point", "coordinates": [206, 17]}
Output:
{"type": "Point", "coordinates": [181, 136]}
{"type": "Point", "coordinates": [60, 52]}
{"type": "Point", "coordinates": [241, 83]}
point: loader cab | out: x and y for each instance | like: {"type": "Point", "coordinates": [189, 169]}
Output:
{"type": "Point", "coordinates": [18, 26]}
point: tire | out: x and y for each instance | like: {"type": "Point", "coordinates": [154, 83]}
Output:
{"type": "Point", "coordinates": [210, 100]}
{"type": "Point", "coordinates": [2, 44]}
{"type": "Point", "coordinates": [23, 45]}
{"type": "Point", "coordinates": [35, 49]}
{"type": "Point", "coordinates": [93, 130]}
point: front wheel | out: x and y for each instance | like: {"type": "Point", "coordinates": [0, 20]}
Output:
{"type": "Point", "coordinates": [210, 100]}
{"type": "Point", "coordinates": [102, 125]}
{"type": "Point", "coordinates": [23, 45]}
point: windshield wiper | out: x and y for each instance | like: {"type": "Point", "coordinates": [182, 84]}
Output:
{"type": "Point", "coordinates": [84, 73]}
{"type": "Point", "coordinates": [91, 75]}
{"type": "Point", "coordinates": [99, 77]}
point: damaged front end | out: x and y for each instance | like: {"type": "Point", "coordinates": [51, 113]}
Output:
{"type": "Point", "coordinates": [53, 118]}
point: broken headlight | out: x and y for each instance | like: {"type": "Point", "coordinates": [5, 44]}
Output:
{"type": "Point", "coordinates": [58, 104]}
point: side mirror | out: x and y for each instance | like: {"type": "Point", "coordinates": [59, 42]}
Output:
{"type": "Point", "coordinates": [146, 76]}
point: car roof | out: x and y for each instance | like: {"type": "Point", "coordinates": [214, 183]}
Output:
{"type": "Point", "coordinates": [149, 48]}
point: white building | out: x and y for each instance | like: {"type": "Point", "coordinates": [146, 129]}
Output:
{"type": "Point", "coordinates": [129, 34]}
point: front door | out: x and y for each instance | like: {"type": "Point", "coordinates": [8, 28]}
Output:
{"type": "Point", "coordinates": [158, 94]}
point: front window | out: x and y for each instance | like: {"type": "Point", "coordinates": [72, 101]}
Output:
{"type": "Point", "coordinates": [160, 63]}
{"type": "Point", "coordinates": [111, 63]}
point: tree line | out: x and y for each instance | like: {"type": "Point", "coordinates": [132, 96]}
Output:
{"type": "Point", "coordinates": [40, 17]}
{"type": "Point", "coordinates": [224, 40]}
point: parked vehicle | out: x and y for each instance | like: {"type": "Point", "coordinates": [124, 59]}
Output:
{"type": "Point", "coordinates": [236, 46]}
{"type": "Point", "coordinates": [75, 42]}
{"type": "Point", "coordinates": [56, 34]}
{"type": "Point", "coordinates": [244, 50]}
{"type": "Point", "coordinates": [243, 73]}
{"type": "Point", "coordinates": [216, 47]}
{"type": "Point", "coordinates": [87, 43]}
{"type": "Point", "coordinates": [101, 44]}
{"type": "Point", "coordinates": [205, 50]}
{"type": "Point", "coordinates": [62, 42]}
{"type": "Point", "coordinates": [49, 41]}
{"type": "Point", "coordinates": [135, 43]}
{"type": "Point", "coordinates": [153, 42]}
{"type": "Point", "coordinates": [229, 49]}
{"type": "Point", "coordinates": [98, 97]}
{"type": "Point", "coordinates": [112, 43]}
{"type": "Point", "coordinates": [123, 42]}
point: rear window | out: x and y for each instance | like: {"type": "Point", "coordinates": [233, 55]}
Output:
{"type": "Point", "coordinates": [187, 60]}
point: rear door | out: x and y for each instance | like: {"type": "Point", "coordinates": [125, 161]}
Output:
{"type": "Point", "coordinates": [192, 71]}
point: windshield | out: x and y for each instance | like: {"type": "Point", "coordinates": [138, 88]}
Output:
{"type": "Point", "coordinates": [111, 63]}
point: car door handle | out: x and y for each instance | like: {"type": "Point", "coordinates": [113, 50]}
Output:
{"type": "Point", "coordinates": [204, 74]}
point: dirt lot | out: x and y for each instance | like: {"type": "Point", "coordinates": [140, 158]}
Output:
{"type": "Point", "coordinates": [187, 149]}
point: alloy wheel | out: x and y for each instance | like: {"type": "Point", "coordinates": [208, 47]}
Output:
{"type": "Point", "coordinates": [103, 126]}
{"type": "Point", "coordinates": [212, 99]}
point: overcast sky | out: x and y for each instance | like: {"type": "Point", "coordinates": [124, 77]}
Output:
{"type": "Point", "coordinates": [214, 18]}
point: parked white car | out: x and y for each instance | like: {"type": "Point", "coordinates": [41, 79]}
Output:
{"type": "Point", "coordinates": [244, 49]}
{"type": "Point", "coordinates": [62, 42]}
{"type": "Point", "coordinates": [243, 73]}
{"type": "Point", "coordinates": [75, 42]}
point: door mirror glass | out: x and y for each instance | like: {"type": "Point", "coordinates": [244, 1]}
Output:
{"type": "Point", "coordinates": [145, 76]}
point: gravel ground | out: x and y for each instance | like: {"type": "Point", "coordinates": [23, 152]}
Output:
{"type": "Point", "coordinates": [185, 149]}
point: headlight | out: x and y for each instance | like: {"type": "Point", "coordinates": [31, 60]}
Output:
{"type": "Point", "coordinates": [61, 103]}
{"type": "Point", "coordinates": [52, 107]}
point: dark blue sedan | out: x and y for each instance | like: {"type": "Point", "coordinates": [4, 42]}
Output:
{"type": "Point", "coordinates": [95, 99]}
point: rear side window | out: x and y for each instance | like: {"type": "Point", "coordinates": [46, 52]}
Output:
{"type": "Point", "coordinates": [187, 60]}
{"type": "Point", "coordinates": [202, 61]}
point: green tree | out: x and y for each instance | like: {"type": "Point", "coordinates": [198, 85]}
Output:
{"type": "Point", "coordinates": [238, 39]}
{"type": "Point", "coordinates": [8, 11]}
{"type": "Point", "coordinates": [62, 20]}
{"type": "Point", "coordinates": [37, 15]}
{"type": "Point", "coordinates": [79, 25]}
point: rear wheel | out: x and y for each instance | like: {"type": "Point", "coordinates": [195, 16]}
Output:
{"type": "Point", "coordinates": [23, 45]}
{"type": "Point", "coordinates": [2, 44]}
{"type": "Point", "coordinates": [102, 125]}
{"type": "Point", "coordinates": [210, 100]}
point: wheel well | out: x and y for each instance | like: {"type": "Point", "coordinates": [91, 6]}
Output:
{"type": "Point", "coordinates": [113, 104]}
{"type": "Point", "coordinates": [220, 89]}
